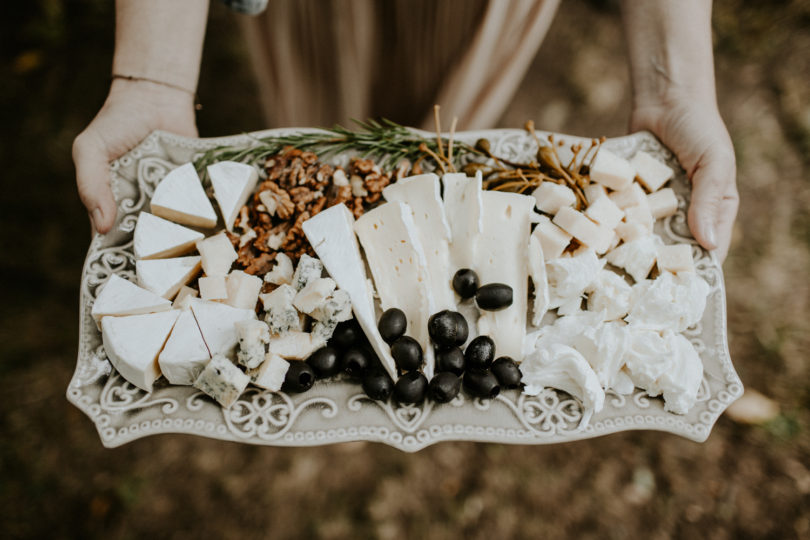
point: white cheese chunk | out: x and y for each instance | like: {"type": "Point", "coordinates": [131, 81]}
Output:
{"type": "Point", "coordinates": [133, 344]}
{"type": "Point", "coordinates": [293, 345]}
{"type": "Point", "coordinates": [213, 288]}
{"type": "Point", "coordinates": [165, 276]}
{"type": "Point", "coordinates": [216, 322]}
{"type": "Point", "coordinates": [610, 295]}
{"type": "Point", "coordinates": [663, 203]}
{"type": "Point", "coordinates": [650, 172]}
{"type": "Point", "coordinates": [675, 258]}
{"type": "Point", "coordinates": [562, 367]}
{"type": "Point", "coordinates": [281, 316]}
{"type": "Point", "coordinates": [637, 258]}
{"type": "Point", "coordinates": [552, 239]}
{"type": "Point", "coordinates": [669, 302]}
{"type": "Point", "coordinates": [502, 257]}
{"type": "Point", "coordinates": [584, 230]}
{"type": "Point", "coordinates": [631, 231]}
{"type": "Point", "coordinates": [322, 331]}
{"type": "Point", "coordinates": [180, 197]}
{"type": "Point", "coordinates": [185, 354]}
{"type": "Point", "coordinates": [398, 265]}
{"type": "Point", "coordinates": [632, 195]}
{"type": "Point", "coordinates": [611, 170]}
{"type": "Point", "coordinates": [233, 183]}
{"type": "Point", "coordinates": [337, 308]}
{"type": "Point", "coordinates": [253, 336]}
{"type": "Point", "coordinates": [156, 238]}
{"type": "Point", "coordinates": [569, 277]}
{"type": "Point", "coordinates": [551, 197]}
{"type": "Point", "coordinates": [594, 192]}
{"type": "Point", "coordinates": [282, 271]}
{"type": "Point", "coordinates": [217, 254]}
{"type": "Point", "coordinates": [184, 296]}
{"type": "Point", "coordinates": [462, 206]}
{"type": "Point", "coordinates": [331, 235]}
{"type": "Point", "coordinates": [308, 269]}
{"type": "Point", "coordinates": [222, 380]}
{"type": "Point", "coordinates": [119, 297]}
{"type": "Point", "coordinates": [314, 294]}
{"type": "Point", "coordinates": [422, 195]}
{"type": "Point", "coordinates": [640, 215]}
{"type": "Point", "coordinates": [537, 272]}
{"type": "Point", "coordinates": [270, 373]}
{"type": "Point", "coordinates": [604, 212]}
{"type": "Point", "coordinates": [243, 289]}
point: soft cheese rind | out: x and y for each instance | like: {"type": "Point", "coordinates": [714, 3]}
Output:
{"type": "Point", "coordinates": [233, 183]}
{"type": "Point", "coordinates": [165, 276]}
{"type": "Point", "coordinates": [185, 354]}
{"type": "Point", "coordinates": [216, 321]}
{"type": "Point", "coordinates": [119, 297]}
{"type": "Point", "coordinates": [180, 197]}
{"type": "Point", "coordinates": [156, 238]}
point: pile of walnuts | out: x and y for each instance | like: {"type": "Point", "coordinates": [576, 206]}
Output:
{"type": "Point", "coordinates": [297, 186]}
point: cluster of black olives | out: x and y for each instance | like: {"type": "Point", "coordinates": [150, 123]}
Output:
{"type": "Point", "coordinates": [490, 297]}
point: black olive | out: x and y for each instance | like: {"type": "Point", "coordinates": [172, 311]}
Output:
{"type": "Point", "coordinates": [481, 383]}
{"type": "Point", "coordinates": [411, 388]}
{"type": "Point", "coordinates": [444, 387]}
{"type": "Point", "coordinates": [479, 353]}
{"type": "Point", "coordinates": [443, 328]}
{"type": "Point", "coordinates": [392, 324]}
{"type": "Point", "coordinates": [494, 297]}
{"type": "Point", "coordinates": [378, 385]}
{"type": "Point", "coordinates": [325, 362]}
{"type": "Point", "coordinates": [462, 329]}
{"type": "Point", "coordinates": [465, 283]}
{"type": "Point", "coordinates": [407, 353]}
{"type": "Point", "coordinates": [299, 377]}
{"type": "Point", "coordinates": [346, 334]}
{"type": "Point", "coordinates": [506, 371]}
{"type": "Point", "coordinates": [451, 360]}
{"type": "Point", "coordinates": [355, 361]}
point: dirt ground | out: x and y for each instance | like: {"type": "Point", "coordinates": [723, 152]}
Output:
{"type": "Point", "coordinates": [57, 481]}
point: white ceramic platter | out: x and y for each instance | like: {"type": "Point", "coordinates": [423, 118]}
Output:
{"type": "Point", "coordinates": [337, 410]}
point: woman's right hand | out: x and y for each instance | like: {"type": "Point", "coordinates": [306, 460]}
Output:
{"type": "Point", "coordinates": [133, 109]}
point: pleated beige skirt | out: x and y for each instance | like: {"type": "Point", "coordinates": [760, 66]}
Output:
{"type": "Point", "coordinates": [321, 62]}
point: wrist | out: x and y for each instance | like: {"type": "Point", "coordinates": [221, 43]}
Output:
{"type": "Point", "coordinates": [151, 92]}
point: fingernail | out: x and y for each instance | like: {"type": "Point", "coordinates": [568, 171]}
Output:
{"type": "Point", "coordinates": [96, 217]}
{"type": "Point", "coordinates": [709, 234]}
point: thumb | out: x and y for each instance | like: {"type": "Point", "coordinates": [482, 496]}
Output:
{"type": "Point", "coordinates": [93, 180]}
{"type": "Point", "coordinates": [714, 200]}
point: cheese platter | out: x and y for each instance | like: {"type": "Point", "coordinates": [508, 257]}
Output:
{"type": "Point", "coordinates": [604, 313]}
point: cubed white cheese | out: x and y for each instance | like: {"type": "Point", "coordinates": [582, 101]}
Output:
{"type": "Point", "coordinates": [462, 206]}
{"type": "Point", "coordinates": [605, 212]}
{"type": "Point", "coordinates": [308, 269]}
{"type": "Point", "coordinates": [281, 315]}
{"type": "Point", "coordinates": [640, 215]}
{"type": "Point", "coordinates": [216, 322]}
{"type": "Point", "coordinates": [611, 170]}
{"type": "Point", "coordinates": [282, 271]}
{"type": "Point", "coordinates": [184, 296]}
{"type": "Point", "coordinates": [663, 203]}
{"type": "Point", "coordinates": [180, 197]}
{"type": "Point", "coordinates": [213, 288]}
{"type": "Point", "coordinates": [217, 254]}
{"type": "Point", "coordinates": [156, 238]}
{"type": "Point", "coordinates": [165, 276]}
{"type": "Point", "coordinates": [675, 258]}
{"type": "Point", "coordinates": [233, 183]}
{"type": "Point", "coordinates": [222, 380]}
{"type": "Point", "coordinates": [133, 343]}
{"type": "Point", "coordinates": [551, 197]}
{"type": "Point", "coordinates": [293, 345]}
{"type": "Point", "coordinates": [253, 336]}
{"type": "Point", "coordinates": [185, 354]}
{"type": "Point", "coordinates": [630, 231]}
{"type": "Point", "coordinates": [650, 172]}
{"type": "Point", "coordinates": [120, 297]}
{"type": "Point", "coordinates": [637, 258]}
{"type": "Point", "coordinates": [632, 195]}
{"type": "Point", "coordinates": [553, 239]}
{"type": "Point", "coordinates": [583, 229]}
{"type": "Point", "coordinates": [594, 192]}
{"type": "Point", "coordinates": [243, 289]}
{"type": "Point", "coordinates": [337, 308]}
{"type": "Point", "coordinates": [314, 295]}
{"type": "Point", "coordinates": [270, 373]}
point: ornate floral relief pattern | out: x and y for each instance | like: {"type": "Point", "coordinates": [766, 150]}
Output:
{"type": "Point", "coordinates": [334, 411]}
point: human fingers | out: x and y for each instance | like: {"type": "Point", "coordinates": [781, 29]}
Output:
{"type": "Point", "coordinates": [91, 159]}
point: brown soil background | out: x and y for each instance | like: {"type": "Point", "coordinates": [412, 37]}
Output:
{"type": "Point", "coordinates": [57, 481]}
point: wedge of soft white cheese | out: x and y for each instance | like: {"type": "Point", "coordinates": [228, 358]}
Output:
{"type": "Point", "coordinates": [233, 183]}
{"type": "Point", "coordinates": [185, 354]}
{"type": "Point", "coordinates": [164, 277]}
{"type": "Point", "coordinates": [156, 238]}
{"type": "Point", "coordinates": [422, 194]}
{"type": "Point", "coordinates": [222, 380]}
{"type": "Point", "coordinates": [398, 264]}
{"type": "Point", "coordinates": [462, 206]}
{"type": "Point", "coordinates": [331, 235]}
{"type": "Point", "coordinates": [120, 297]}
{"type": "Point", "coordinates": [537, 272]}
{"type": "Point", "coordinates": [217, 324]}
{"type": "Point", "coordinates": [180, 197]}
{"type": "Point", "coordinates": [562, 367]}
{"type": "Point", "coordinates": [569, 277]}
{"type": "Point", "coordinates": [134, 342]}
{"type": "Point", "coordinates": [669, 302]}
{"type": "Point", "coordinates": [502, 257]}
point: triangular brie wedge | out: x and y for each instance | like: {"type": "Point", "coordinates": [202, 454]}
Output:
{"type": "Point", "coordinates": [156, 238]}
{"type": "Point", "coordinates": [216, 322]}
{"type": "Point", "coordinates": [165, 276]}
{"type": "Point", "coordinates": [233, 183]}
{"type": "Point", "coordinates": [185, 354]}
{"type": "Point", "coordinates": [133, 343]}
{"type": "Point", "coordinates": [121, 297]}
{"type": "Point", "coordinates": [180, 197]}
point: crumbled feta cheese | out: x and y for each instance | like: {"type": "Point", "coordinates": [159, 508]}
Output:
{"type": "Point", "coordinates": [569, 277]}
{"type": "Point", "coordinates": [610, 295]}
{"type": "Point", "coordinates": [564, 368]}
{"type": "Point", "coordinates": [669, 302]}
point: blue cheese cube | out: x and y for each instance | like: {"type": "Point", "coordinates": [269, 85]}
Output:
{"type": "Point", "coordinates": [253, 336]}
{"type": "Point", "coordinates": [314, 294]}
{"type": "Point", "coordinates": [270, 374]}
{"type": "Point", "coordinates": [281, 314]}
{"type": "Point", "coordinates": [222, 380]}
{"type": "Point", "coordinates": [309, 268]}
{"type": "Point", "coordinates": [337, 308]}
{"type": "Point", "coordinates": [322, 331]}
